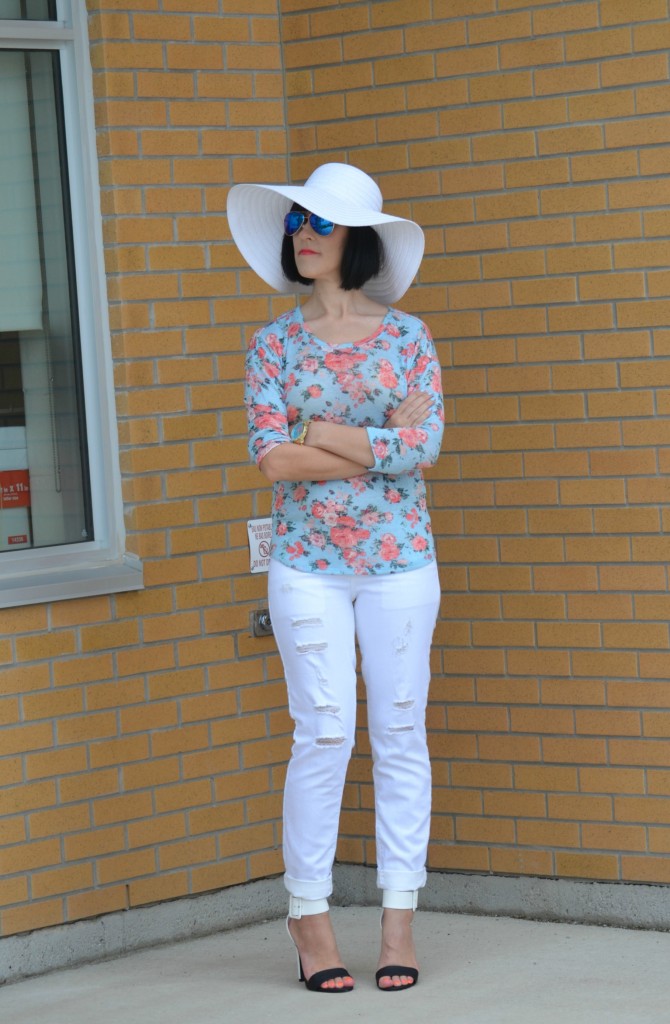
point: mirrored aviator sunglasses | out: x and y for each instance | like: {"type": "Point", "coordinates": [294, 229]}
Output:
{"type": "Point", "coordinates": [295, 219]}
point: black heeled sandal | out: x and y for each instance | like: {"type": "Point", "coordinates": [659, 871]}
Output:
{"type": "Point", "coordinates": [392, 971]}
{"type": "Point", "coordinates": [397, 901]}
{"type": "Point", "coordinates": [317, 979]}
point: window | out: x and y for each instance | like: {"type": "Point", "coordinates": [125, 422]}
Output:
{"type": "Point", "coordinates": [61, 527]}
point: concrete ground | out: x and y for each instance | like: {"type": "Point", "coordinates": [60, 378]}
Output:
{"type": "Point", "coordinates": [475, 970]}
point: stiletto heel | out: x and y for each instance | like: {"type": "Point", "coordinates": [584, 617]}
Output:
{"type": "Point", "coordinates": [304, 908]}
{"type": "Point", "coordinates": [394, 900]}
{"type": "Point", "coordinates": [301, 973]}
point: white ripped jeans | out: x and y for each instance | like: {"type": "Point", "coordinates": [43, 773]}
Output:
{"type": "Point", "coordinates": [315, 618]}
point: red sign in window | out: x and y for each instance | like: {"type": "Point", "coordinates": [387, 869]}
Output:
{"type": "Point", "coordinates": [14, 488]}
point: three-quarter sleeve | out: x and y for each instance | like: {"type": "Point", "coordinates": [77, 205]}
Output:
{"type": "Point", "coordinates": [402, 449]}
{"type": "Point", "coordinates": [263, 394]}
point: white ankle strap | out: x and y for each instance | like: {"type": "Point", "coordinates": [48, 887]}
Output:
{"type": "Point", "coordinates": [395, 900]}
{"type": "Point", "coordinates": [299, 907]}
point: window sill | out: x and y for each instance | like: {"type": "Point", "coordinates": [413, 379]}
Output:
{"type": "Point", "coordinates": [62, 584]}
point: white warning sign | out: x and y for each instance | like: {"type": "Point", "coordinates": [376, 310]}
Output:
{"type": "Point", "coordinates": [260, 537]}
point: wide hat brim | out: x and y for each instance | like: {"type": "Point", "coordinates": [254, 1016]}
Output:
{"type": "Point", "coordinates": [338, 192]}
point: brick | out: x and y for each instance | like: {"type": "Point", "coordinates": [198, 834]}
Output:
{"type": "Point", "coordinates": [554, 289]}
{"type": "Point", "coordinates": [551, 834]}
{"type": "Point", "coordinates": [632, 577]}
{"type": "Point", "coordinates": [659, 783]}
{"type": "Point", "coordinates": [640, 132]}
{"type": "Point", "coordinates": [95, 843]}
{"type": "Point", "coordinates": [647, 254]}
{"type": "Point", "coordinates": [583, 865]}
{"type": "Point", "coordinates": [503, 146]}
{"type": "Point", "coordinates": [600, 606]}
{"type": "Point", "coordinates": [232, 872]}
{"type": "Point", "coordinates": [92, 904]}
{"type": "Point", "coordinates": [467, 60]}
{"type": "Point", "coordinates": [570, 79]}
{"type": "Point", "coordinates": [532, 54]}
{"type": "Point", "coordinates": [615, 286]}
{"type": "Point", "coordinates": [611, 780]}
{"type": "Point", "coordinates": [527, 663]}
{"type": "Point", "coordinates": [623, 404]}
{"type": "Point", "coordinates": [521, 862]}
{"type": "Point", "coordinates": [604, 165]}
{"type": "Point", "coordinates": [633, 70]}
{"type": "Point", "coordinates": [61, 880]}
{"type": "Point", "coordinates": [641, 809]}
{"type": "Point", "coordinates": [40, 914]}
{"type": "Point", "coordinates": [583, 691]}
{"type": "Point", "coordinates": [607, 227]}
{"type": "Point", "coordinates": [603, 663]}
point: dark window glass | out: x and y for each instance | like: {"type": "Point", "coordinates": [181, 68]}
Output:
{"type": "Point", "coordinates": [44, 483]}
{"type": "Point", "coordinates": [28, 10]}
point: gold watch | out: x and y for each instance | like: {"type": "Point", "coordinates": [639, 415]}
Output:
{"type": "Point", "coordinates": [298, 431]}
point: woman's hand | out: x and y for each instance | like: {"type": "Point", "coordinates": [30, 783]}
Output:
{"type": "Point", "coordinates": [412, 411]}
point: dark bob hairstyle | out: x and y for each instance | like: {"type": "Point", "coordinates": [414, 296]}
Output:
{"type": "Point", "coordinates": [362, 258]}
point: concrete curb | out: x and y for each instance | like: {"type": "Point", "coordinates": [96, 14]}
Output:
{"type": "Point", "coordinates": [541, 899]}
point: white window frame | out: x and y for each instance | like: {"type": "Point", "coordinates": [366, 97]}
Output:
{"type": "Point", "coordinates": [101, 566]}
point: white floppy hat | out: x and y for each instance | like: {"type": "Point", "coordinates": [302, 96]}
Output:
{"type": "Point", "coordinates": [338, 192]}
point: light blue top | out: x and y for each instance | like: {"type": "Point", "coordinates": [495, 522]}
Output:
{"type": "Point", "coordinates": [370, 524]}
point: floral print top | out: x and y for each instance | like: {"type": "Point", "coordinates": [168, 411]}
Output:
{"type": "Point", "coordinates": [370, 524]}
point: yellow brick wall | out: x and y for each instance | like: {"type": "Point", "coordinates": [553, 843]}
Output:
{"type": "Point", "coordinates": [143, 737]}
{"type": "Point", "coordinates": [532, 141]}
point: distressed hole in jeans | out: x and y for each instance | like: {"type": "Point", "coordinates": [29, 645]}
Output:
{"type": "Point", "coordinates": [327, 709]}
{"type": "Point", "coordinates": [330, 741]}
{"type": "Point", "coordinates": [401, 728]}
{"type": "Point", "coordinates": [297, 623]}
{"type": "Point", "coordinates": [401, 642]}
{"type": "Point", "coordinates": [311, 648]}
{"type": "Point", "coordinates": [403, 705]}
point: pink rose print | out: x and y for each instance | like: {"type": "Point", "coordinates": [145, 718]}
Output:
{"type": "Point", "coordinates": [295, 550]}
{"type": "Point", "coordinates": [389, 549]}
{"type": "Point", "coordinates": [341, 362]}
{"type": "Point", "coordinates": [387, 377]}
{"type": "Point", "coordinates": [300, 492]}
{"type": "Point", "coordinates": [274, 344]}
{"type": "Point", "coordinates": [271, 369]}
{"type": "Point", "coordinates": [346, 535]}
{"type": "Point", "coordinates": [392, 496]}
{"type": "Point", "coordinates": [267, 418]}
{"type": "Point", "coordinates": [315, 391]}
{"type": "Point", "coordinates": [412, 517]}
{"type": "Point", "coordinates": [318, 510]}
{"type": "Point", "coordinates": [380, 449]}
{"type": "Point", "coordinates": [412, 436]}
{"type": "Point", "coordinates": [419, 543]}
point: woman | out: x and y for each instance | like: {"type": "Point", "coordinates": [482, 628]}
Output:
{"type": "Point", "coordinates": [345, 406]}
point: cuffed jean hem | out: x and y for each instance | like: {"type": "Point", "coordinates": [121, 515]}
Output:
{"type": "Point", "coordinates": [309, 890]}
{"type": "Point", "coordinates": [402, 881]}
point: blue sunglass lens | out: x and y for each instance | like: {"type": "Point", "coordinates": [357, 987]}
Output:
{"type": "Point", "coordinates": [321, 225]}
{"type": "Point", "coordinates": [295, 219]}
